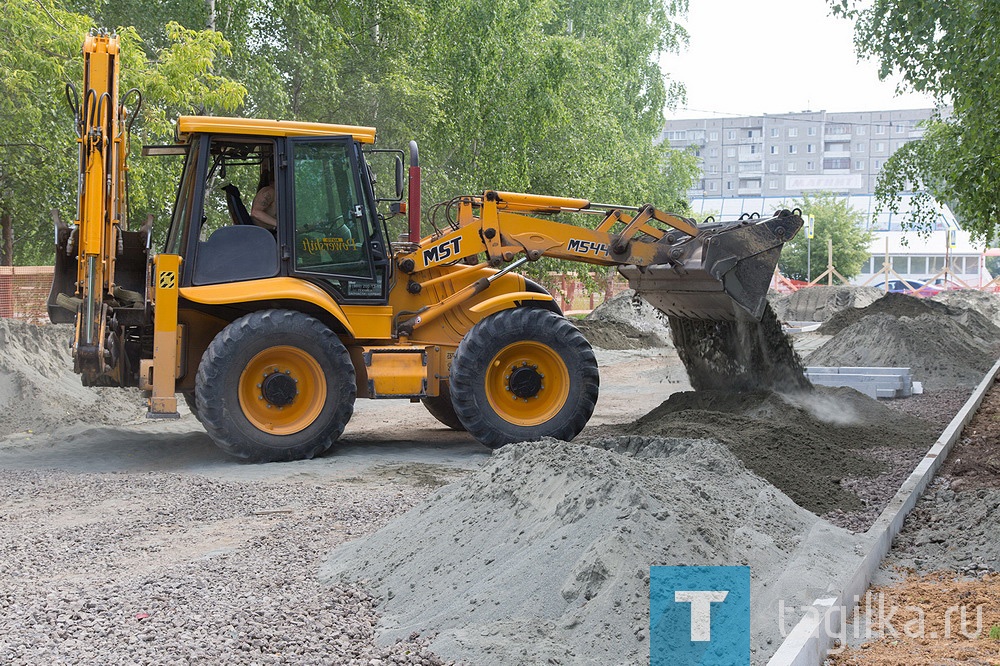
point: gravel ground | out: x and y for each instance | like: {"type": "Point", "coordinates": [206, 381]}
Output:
{"type": "Point", "coordinates": [172, 569]}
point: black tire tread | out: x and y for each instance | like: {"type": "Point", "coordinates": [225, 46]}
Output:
{"type": "Point", "coordinates": [440, 407]}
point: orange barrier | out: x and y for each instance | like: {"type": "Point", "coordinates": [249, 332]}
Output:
{"type": "Point", "coordinates": [23, 292]}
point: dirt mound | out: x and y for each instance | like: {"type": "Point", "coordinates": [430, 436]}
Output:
{"type": "Point", "coordinates": [819, 303]}
{"type": "Point", "coordinates": [626, 322]}
{"type": "Point", "coordinates": [740, 355]}
{"type": "Point", "coordinates": [903, 305]}
{"type": "Point", "coordinates": [940, 346]}
{"type": "Point", "coordinates": [986, 303]}
{"type": "Point", "coordinates": [805, 444]}
{"type": "Point", "coordinates": [40, 392]}
{"type": "Point", "coordinates": [543, 555]}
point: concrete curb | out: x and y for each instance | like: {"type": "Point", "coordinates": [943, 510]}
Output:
{"type": "Point", "coordinates": [809, 641]}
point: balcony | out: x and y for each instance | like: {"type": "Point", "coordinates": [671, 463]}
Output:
{"type": "Point", "coordinates": [746, 141]}
{"type": "Point", "coordinates": [838, 138]}
{"type": "Point", "coordinates": [752, 173]}
{"type": "Point", "coordinates": [748, 191]}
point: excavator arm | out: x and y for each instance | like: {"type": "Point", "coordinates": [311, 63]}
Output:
{"type": "Point", "coordinates": [707, 271]}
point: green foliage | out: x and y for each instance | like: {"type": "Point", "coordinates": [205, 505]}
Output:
{"type": "Point", "coordinates": [38, 160]}
{"type": "Point", "coordinates": [835, 219]}
{"type": "Point", "coordinates": [994, 633]}
{"type": "Point", "coordinates": [548, 96]}
{"type": "Point", "coordinates": [947, 49]}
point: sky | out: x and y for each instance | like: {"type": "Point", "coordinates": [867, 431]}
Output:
{"type": "Point", "coordinates": [752, 57]}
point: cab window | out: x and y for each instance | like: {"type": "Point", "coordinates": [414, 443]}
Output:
{"type": "Point", "coordinates": [330, 216]}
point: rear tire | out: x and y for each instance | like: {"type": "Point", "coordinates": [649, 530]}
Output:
{"type": "Point", "coordinates": [192, 402]}
{"type": "Point", "coordinates": [275, 385]}
{"type": "Point", "coordinates": [521, 375]}
{"type": "Point", "coordinates": [440, 407]}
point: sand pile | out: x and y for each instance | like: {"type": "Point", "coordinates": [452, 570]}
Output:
{"type": "Point", "coordinates": [986, 303]}
{"type": "Point", "coordinates": [819, 303]}
{"type": "Point", "coordinates": [626, 322]}
{"type": "Point", "coordinates": [543, 555]}
{"type": "Point", "coordinates": [945, 346]}
{"type": "Point", "coordinates": [806, 444]}
{"type": "Point", "coordinates": [904, 305]}
{"type": "Point", "coordinates": [40, 392]}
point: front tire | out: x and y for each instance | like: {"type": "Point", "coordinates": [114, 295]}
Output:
{"type": "Point", "coordinates": [275, 385]}
{"type": "Point", "coordinates": [521, 375]}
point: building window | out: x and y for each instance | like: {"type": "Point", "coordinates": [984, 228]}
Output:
{"type": "Point", "coordinates": [772, 184]}
{"type": "Point", "coordinates": [836, 163]}
{"type": "Point", "coordinates": [859, 130]}
{"type": "Point", "coordinates": [753, 148]}
{"type": "Point", "coordinates": [878, 164]}
{"type": "Point", "coordinates": [774, 150]}
{"type": "Point", "coordinates": [879, 147]}
{"type": "Point", "coordinates": [729, 168]}
{"type": "Point", "coordinates": [774, 167]}
{"type": "Point", "coordinates": [793, 131]}
{"type": "Point", "coordinates": [918, 264]}
{"type": "Point", "coordinates": [730, 152]}
{"type": "Point", "coordinates": [811, 148]}
{"type": "Point", "coordinates": [731, 134]}
{"type": "Point", "coordinates": [880, 129]}
{"type": "Point", "coordinates": [729, 184]}
{"type": "Point", "coordinates": [713, 152]}
{"type": "Point", "coordinates": [810, 166]}
{"type": "Point", "coordinates": [714, 168]}
{"type": "Point", "coordinates": [792, 150]}
{"type": "Point", "coordinates": [859, 165]}
{"type": "Point", "coordinates": [711, 186]}
{"type": "Point", "coordinates": [900, 129]}
{"type": "Point", "coordinates": [859, 147]}
{"type": "Point", "coordinates": [775, 132]}
{"type": "Point", "coordinates": [811, 131]}
{"type": "Point", "coordinates": [791, 167]}
{"type": "Point", "coordinates": [713, 136]}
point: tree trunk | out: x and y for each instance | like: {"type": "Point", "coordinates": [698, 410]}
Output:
{"type": "Point", "coordinates": [6, 259]}
{"type": "Point", "coordinates": [211, 13]}
{"type": "Point", "coordinates": [6, 241]}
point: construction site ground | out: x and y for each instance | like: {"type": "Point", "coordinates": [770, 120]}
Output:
{"type": "Point", "coordinates": [127, 541]}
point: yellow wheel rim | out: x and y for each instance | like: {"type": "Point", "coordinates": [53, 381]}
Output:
{"type": "Point", "coordinates": [282, 390]}
{"type": "Point", "coordinates": [527, 383]}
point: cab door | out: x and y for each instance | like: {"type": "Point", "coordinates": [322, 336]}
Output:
{"type": "Point", "coordinates": [334, 235]}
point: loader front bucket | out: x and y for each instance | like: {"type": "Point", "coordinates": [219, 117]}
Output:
{"type": "Point", "coordinates": [725, 268]}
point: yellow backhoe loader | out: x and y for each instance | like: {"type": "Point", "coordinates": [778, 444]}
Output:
{"type": "Point", "coordinates": [279, 299]}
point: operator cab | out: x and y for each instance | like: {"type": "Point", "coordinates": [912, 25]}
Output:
{"type": "Point", "coordinates": [278, 204]}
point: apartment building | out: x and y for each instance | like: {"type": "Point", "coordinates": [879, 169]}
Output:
{"type": "Point", "coordinates": [761, 163]}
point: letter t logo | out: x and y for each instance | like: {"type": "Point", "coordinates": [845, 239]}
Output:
{"type": "Point", "coordinates": [701, 610]}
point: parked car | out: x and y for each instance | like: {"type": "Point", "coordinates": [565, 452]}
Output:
{"type": "Point", "coordinates": [911, 287]}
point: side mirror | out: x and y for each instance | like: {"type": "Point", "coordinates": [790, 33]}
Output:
{"type": "Point", "coordinates": [399, 177]}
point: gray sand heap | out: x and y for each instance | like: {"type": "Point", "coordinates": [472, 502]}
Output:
{"type": "Point", "coordinates": [945, 346]}
{"type": "Point", "coordinates": [984, 302]}
{"type": "Point", "coordinates": [543, 555]}
{"type": "Point", "coordinates": [626, 322]}
{"type": "Point", "coordinates": [819, 303]}
{"type": "Point", "coordinates": [806, 444]}
{"type": "Point", "coordinates": [40, 392]}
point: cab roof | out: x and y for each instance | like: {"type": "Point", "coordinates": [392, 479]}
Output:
{"type": "Point", "coordinates": [187, 125]}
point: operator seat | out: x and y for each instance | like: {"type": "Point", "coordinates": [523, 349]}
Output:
{"type": "Point", "coordinates": [237, 210]}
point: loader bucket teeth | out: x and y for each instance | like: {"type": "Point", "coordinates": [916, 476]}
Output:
{"type": "Point", "coordinates": [724, 268]}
